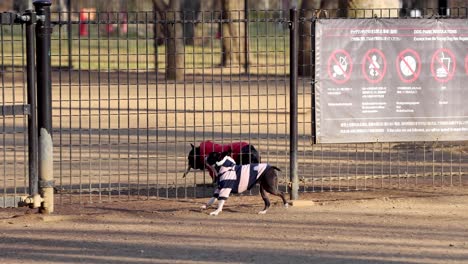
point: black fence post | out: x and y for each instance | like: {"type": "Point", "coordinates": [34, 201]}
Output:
{"type": "Point", "coordinates": [293, 76]}
{"type": "Point", "coordinates": [312, 74]}
{"type": "Point", "coordinates": [44, 101]}
{"type": "Point", "coordinates": [32, 118]}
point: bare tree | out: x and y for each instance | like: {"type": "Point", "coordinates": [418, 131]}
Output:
{"type": "Point", "coordinates": [170, 14]}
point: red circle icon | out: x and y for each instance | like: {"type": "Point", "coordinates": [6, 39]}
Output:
{"type": "Point", "coordinates": [374, 65]}
{"type": "Point", "coordinates": [466, 64]}
{"type": "Point", "coordinates": [340, 66]}
{"type": "Point", "coordinates": [443, 65]}
{"type": "Point", "coordinates": [408, 64]}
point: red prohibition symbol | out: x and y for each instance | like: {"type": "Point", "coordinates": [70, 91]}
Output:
{"type": "Point", "coordinates": [340, 66]}
{"type": "Point", "coordinates": [408, 65]}
{"type": "Point", "coordinates": [443, 65]}
{"type": "Point", "coordinates": [466, 64]}
{"type": "Point", "coordinates": [374, 65]}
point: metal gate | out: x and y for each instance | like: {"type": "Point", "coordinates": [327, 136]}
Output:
{"type": "Point", "coordinates": [20, 114]}
{"type": "Point", "coordinates": [14, 112]}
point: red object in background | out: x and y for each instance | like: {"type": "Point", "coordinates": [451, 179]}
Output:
{"type": "Point", "coordinates": [83, 26]}
{"type": "Point", "coordinates": [124, 25]}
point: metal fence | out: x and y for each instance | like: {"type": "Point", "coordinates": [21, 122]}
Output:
{"type": "Point", "coordinates": [121, 129]}
{"type": "Point", "coordinates": [13, 112]}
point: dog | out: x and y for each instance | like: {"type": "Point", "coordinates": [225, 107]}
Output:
{"type": "Point", "coordinates": [232, 178]}
{"type": "Point", "coordinates": [242, 153]}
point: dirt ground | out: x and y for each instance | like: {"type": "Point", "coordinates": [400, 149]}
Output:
{"type": "Point", "coordinates": [381, 226]}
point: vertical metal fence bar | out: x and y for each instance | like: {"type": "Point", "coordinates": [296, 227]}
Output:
{"type": "Point", "coordinates": [176, 94]}
{"type": "Point", "coordinates": [61, 107]}
{"type": "Point", "coordinates": [4, 130]}
{"type": "Point", "coordinates": [137, 71]}
{"type": "Point", "coordinates": [460, 165]}
{"type": "Point", "coordinates": [33, 144]}
{"type": "Point", "coordinates": [184, 97]}
{"type": "Point", "coordinates": [128, 101]}
{"type": "Point", "coordinates": [148, 127]}
{"type": "Point", "coordinates": [14, 102]}
{"type": "Point", "coordinates": [156, 57]}
{"type": "Point", "coordinates": [194, 91]}
{"type": "Point", "coordinates": [246, 36]}
{"type": "Point", "coordinates": [62, 178]}
{"type": "Point", "coordinates": [78, 129]}
{"type": "Point", "coordinates": [110, 173]}
{"type": "Point", "coordinates": [93, 115]}
{"type": "Point", "coordinates": [24, 121]}
{"type": "Point", "coordinates": [442, 150]}
{"type": "Point", "coordinates": [433, 163]}
{"type": "Point", "coordinates": [119, 117]}
{"type": "Point", "coordinates": [451, 165]}
{"type": "Point", "coordinates": [166, 98]}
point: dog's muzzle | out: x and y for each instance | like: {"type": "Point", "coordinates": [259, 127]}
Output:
{"type": "Point", "coordinates": [187, 171]}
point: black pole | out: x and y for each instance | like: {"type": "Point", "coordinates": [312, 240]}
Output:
{"type": "Point", "coordinates": [246, 35]}
{"type": "Point", "coordinates": [312, 74]}
{"type": "Point", "coordinates": [32, 118]}
{"type": "Point", "coordinates": [293, 71]}
{"type": "Point", "coordinates": [44, 103]}
{"type": "Point", "coordinates": [44, 93]}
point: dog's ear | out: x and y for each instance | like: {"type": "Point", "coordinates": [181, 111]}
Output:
{"type": "Point", "coordinates": [224, 154]}
{"type": "Point", "coordinates": [192, 145]}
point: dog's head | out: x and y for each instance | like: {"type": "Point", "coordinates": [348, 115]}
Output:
{"type": "Point", "coordinates": [216, 160]}
{"type": "Point", "coordinates": [194, 160]}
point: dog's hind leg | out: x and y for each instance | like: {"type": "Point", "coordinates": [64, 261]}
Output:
{"type": "Point", "coordinates": [209, 203]}
{"type": "Point", "coordinates": [271, 189]}
{"type": "Point", "coordinates": [265, 199]}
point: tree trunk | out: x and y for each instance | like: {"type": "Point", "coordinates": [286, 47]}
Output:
{"type": "Point", "coordinates": [175, 59]}
{"type": "Point", "coordinates": [22, 5]}
{"type": "Point", "coordinates": [233, 33]}
{"type": "Point", "coordinates": [334, 8]}
{"type": "Point", "coordinates": [305, 61]}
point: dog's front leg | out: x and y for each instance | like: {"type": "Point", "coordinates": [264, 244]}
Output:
{"type": "Point", "coordinates": [209, 203]}
{"type": "Point", "coordinates": [220, 208]}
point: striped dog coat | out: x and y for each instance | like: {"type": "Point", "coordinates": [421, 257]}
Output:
{"type": "Point", "coordinates": [234, 178]}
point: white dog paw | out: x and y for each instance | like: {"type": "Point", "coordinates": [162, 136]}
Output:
{"type": "Point", "coordinates": [286, 205]}
{"type": "Point", "coordinates": [203, 207]}
{"type": "Point", "coordinates": [215, 213]}
{"type": "Point", "coordinates": [262, 212]}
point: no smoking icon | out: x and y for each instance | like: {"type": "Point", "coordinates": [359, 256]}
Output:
{"type": "Point", "coordinates": [408, 64]}
{"type": "Point", "coordinates": [374, 65]}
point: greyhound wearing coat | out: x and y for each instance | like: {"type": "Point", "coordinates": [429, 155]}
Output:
{"type": "Point", "coordinates": [234, 178]}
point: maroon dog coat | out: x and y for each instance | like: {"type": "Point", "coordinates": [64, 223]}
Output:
{"type": "Point", "coordinates": [206, 147]}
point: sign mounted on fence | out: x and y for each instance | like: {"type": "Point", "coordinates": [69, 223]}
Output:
{"type": "Point", "coordinates": [389, 80]}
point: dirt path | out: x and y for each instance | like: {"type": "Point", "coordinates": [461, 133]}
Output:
{"type": "Point", "coordinates": [356, 227]}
